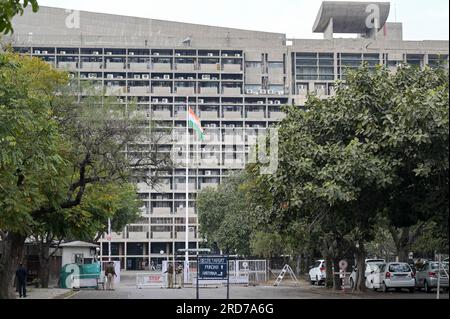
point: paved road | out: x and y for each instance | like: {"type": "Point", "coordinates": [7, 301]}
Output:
{"type": "Point", "coordinates": [128, 290]}
{"type": "Point", "coordinates": [259, 292]}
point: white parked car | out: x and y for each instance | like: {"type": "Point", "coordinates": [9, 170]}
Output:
{"type": "Point", "coordinates": [372, 266]}
{"type": "Point", "coordinates": [394, 276]}
{"type": "Point", "coordinates": [317, 272]}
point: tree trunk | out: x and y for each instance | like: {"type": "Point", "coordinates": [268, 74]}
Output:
{"type": "Point", "coordinates": [44, 265]}
{"type": "Point", "coordinates": [360, 284]}
{"type": "Point", "coordinates": [11, 255]}
{"type": "Point", "coordinates": [329, 271]}
{"type": "Point", "coordinates": [337, 281]}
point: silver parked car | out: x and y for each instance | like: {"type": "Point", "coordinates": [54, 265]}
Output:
{"type": "Point", "coordinates": [427, 276]}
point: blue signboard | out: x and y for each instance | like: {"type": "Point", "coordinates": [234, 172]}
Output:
{"type": "Point", "coordinates": [212, 268]}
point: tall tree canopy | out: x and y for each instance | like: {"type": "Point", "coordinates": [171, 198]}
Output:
{"type": "Point", "coordinates": [11, 8]}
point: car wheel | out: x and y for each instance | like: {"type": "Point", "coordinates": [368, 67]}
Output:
{"type": "Point", "coordinates": [312, 281]}
{"type": "Point", "coordinates": [412, 290]}
{"type": "Point", "coordinates": [383, 287]}
{"type": "Point", "coordinates": [426, 287]}
{"type": "Point", "coordinates": [317, 281]}
{"type": "Point", "coordinates": [374, 289]}
{"type": "Point", "coordinates": [352, 284]}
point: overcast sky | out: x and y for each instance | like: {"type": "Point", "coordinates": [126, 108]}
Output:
{"type": "Point", "coordinates": [423, 20]}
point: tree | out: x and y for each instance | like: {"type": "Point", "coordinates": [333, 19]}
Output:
{"type": "Point", "coordinates": [11, 8]}
{"type": "Point", "coordinates": [57, 146]}
{"type": "Point", "coordinates": [380, 145]}
{"type": "Point", "coordinates": [86, 222]}
{"type": "Point", "coordinates": [31, 164]}
{"type": "Point", "coordinates": [223, 217]}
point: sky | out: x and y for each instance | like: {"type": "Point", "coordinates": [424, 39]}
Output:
{"type": "Point", "coordinates": [422, 20]}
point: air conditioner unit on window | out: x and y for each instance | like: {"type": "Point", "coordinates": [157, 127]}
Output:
{"type": "Point", "coordinates": [155, 100]}
{"type": "Point", "coordinates": [71, 75]}
{"type": "Point", "coordinates": [146, 76]}
{"type": "Point", "coordinates": [131, 53]}
{"type": "Point", "coordinates": [248, 91]}
{"type": "Point", "coordinates": [44, 52]}
{"type": "Point", "coordinates": [270, 102]}
{"type": "Point", "coordinates": [279, 93]}
{"type": "Point", "coordinates": [108, 53]}
{"type": "Point", "coordinates": [278, 102]}
{"type": "Point", "coordinates": [205, 77]}
{"type": "Point", "coordinates": [177, 54]}
{"type": "Point", "coordinates": [190, 78]}
{"type": "Point", "coordinates": [156, 53]}
{"type": "Point", "coordinates": [37, 52]}
{"type": "Point", "coordinates": [225, 55]}
{"type": "Point", "coordinates": [120, 77]}
{"type": "Point", "coordinates": [260, 102]}
{"type": "Point", "coordinates": [110, 76]}
{"type": "Point", "coordinates": [62, 52]}
{"type": "Point", "coordinates": [208, 173]}
{"type": "Point", "coordinates": [95, 53]}
{"type": "Point", "coordinates": [166, 77]}
{"type": "Point", "coordinates": [237, 55]}
{"type": "Point", "coordinates": [156, 78]}
{"type": "Point", "coordinates": [210, 54]}
{"type": "Point", "coordinates": [201, 101]}
{"type": "Point", "coordinates": [270, 92]}
{"type": "Point", "coordinates": [137, 76]}
{"type": "Point", "coordinates": [165, 100]}
{"type": "Point", "coordinates": [262, 91]}
{"type": "Point", "coordinates": [92, 75]}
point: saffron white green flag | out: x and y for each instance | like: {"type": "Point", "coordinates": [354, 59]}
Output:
{"type": "Point", "coordinates": [195, 122]}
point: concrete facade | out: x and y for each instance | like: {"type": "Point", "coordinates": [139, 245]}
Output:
{"type": "Point", "coordinates": [235, 80]}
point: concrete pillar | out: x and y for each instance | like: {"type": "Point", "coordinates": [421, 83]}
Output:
{"type": "Point", "coordinates": [328, 34]}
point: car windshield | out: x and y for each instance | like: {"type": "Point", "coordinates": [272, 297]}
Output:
{"type": "Point", "coordinates": [399, 268]}
{"type": "Point", "coordinates": [317, 264]}
{"type": "Point", "coordinates": [435, 266]}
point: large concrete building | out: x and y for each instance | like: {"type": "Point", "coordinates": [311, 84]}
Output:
{"type": "Point", "coordinates": [235, 80]}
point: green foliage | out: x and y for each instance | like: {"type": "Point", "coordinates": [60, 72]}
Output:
{"type": "Point", "coordinates": [31, 161]}
{"type": "Point", "coordinates": [223, 217]}
{"type": "Point", "coordinates": [11, 8]}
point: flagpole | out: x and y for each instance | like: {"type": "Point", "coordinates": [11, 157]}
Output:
{"type": "Point", "coordinates": [187, 184]}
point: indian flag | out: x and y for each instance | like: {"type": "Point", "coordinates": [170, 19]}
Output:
{"type": "Point", "coordinates": [195, 123]}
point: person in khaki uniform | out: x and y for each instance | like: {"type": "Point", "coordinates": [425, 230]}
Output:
{"type": "Point", "coordinates": [110, 273]}
{"type": "Point", "coordinates": [180, 276]}
{"type": "Point", "coordinates": [169, 273]}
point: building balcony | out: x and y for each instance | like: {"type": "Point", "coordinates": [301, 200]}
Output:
{"type": "Point", "coordinates": [91, 66]}
{"type": "Point", "coordinates": [232, 68]}
{"type": "Point", "coordinates": [209, 115]}
{"type": "Point", "coordinates": [231, 115]}
{"type": "Point", "coordinates": [182, 236]}
{"type": "Point", "coordinates": [138, 235]}
{"type": "Point", "coordinates": [115, 90]}
{"type": "Point", "coordinates": [162, 67]}
{"type": "Point", "coordinates": [162, 90]}
{"type": "Point", "coordinates": [139, 90]}
{"type": "Point", "coordinates": [209, 91]}
{"type": "Point", "coordinates": [182, 187]}
{"type": "Point", "coordinates": [210, 161]}
{"type": "Point", "coordinates": [210, 67]}
{"type": "Point", "coordinates": [161, 235]}
{"type": "Point", "coordinates": [233, 139]}
{"type": "Point", "coordinates": [161, 211]}
{"type": "Point", "coordinates": [161, 115]}
{"type": "Point", "coordinates": [277, 115]}
{"type": "Point", "coordinates": [256, 115]}
{"type": "Point", "coordinates": [187, 67]}
{"type": "Point", "coordinates": [207, 185]}
{"type": "Point", "coordinates": [232, 91]}
{"type": "Point", "coordinates": [185, 90]}
{"type": "Point", "coordinates": [139, 66]}
{"type": "Point", "coordinates": [67, 65]}
{"type": "Point", "coordinates": [182, 211]}
{"type": "Point", "coordinates": [115, 66]}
